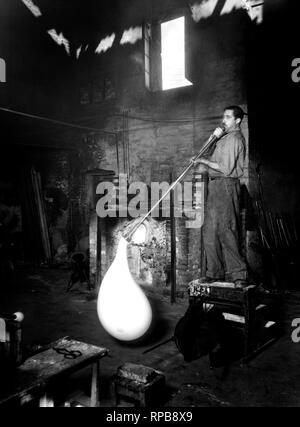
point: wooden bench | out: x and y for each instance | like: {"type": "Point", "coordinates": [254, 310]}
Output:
{"type": "Point", "coordinates": [40, 375]}
{"type": "Point", "coordinates": [253, 312]}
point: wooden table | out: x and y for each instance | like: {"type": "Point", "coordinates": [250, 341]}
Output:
{"type": "Point", "coordinates": [38, 376]}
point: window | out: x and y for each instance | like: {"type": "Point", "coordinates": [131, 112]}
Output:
{"type": "Point", "coordinates": [165, 55]}
{"type": "Point", "coordinates": [173, 54]}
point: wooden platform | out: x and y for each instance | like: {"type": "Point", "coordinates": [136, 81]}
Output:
{"type": "Point", "coordinates": [252, 311]}
{"type": "Point", "coordinates": [39, 375]}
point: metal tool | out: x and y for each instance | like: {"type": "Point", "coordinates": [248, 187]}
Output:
{"type": "Point", "coordinates": [68, 354]}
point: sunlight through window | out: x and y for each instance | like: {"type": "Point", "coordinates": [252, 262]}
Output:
{"type": "Point", "coordinates": [173, 54]}
{"type": "Point", "coordinates": [205, 9]}
{"type": "Point", "coordinates": [106, 43]}
{"type": "Point", "coordinates": [33, 8]}
{"type": "Point", "coordinates": [60, 39]}
{"type": "Point", "coordinates": [132, 35]}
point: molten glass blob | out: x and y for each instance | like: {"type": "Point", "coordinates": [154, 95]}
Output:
{"type": "Point", "coordinates": [19, 317]}
{"type": "Point", "coordinates": [123, 309]}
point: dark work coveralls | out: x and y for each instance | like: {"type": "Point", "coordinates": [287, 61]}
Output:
{"type": "Point", "coordinates": [222, 213]}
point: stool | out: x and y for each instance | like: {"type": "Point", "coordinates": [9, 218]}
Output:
{"type": "Point", "coordinates": [140, 383]}
{"type": "Point", "coordinates": [254, 313]}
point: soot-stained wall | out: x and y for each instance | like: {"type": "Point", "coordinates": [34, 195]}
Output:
{"type": "Point", "coordinates": [159, 131]}
{"type": "Point", "coordinates": [152, 133]}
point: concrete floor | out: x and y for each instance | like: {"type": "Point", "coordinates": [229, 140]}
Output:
{"type": "Point", "coordinates": [271, 379]}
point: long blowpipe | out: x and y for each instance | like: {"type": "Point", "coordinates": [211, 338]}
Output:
{"type": "Point", "coordinates": [205, 147]}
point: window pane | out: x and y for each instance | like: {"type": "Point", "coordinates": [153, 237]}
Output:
{"type": "Point", "coordinates": [173, 54]}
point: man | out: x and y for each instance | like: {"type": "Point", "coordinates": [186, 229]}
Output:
{"type": "Point", "coordinates": [222, 215]}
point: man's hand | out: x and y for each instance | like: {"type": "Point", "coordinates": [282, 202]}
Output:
{"type": "Point", "coordinates": [196, 161]}
{"type": "Point", "coordinates": [198, 164]}
{"type": "Point", "coordinates": [218, 132]}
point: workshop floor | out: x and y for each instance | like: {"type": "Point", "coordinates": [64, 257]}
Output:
{"type": "Point", "coordinates": [271, 379]}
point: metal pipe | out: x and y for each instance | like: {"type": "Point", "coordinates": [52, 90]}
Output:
{"type": "Point", "coordinates": [207, 145]}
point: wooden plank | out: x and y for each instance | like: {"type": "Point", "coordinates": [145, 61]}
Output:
{"type": "Point", "coordinates": [93, 246]}
{"type": "Point", "coordinates": [218, 291]}
{"type": "Point", "coordinates": [234, 318]}
{"type": "Point", "coordinates": [173, 246]}
{"type": "Point", "coordinates": [37, 189]}
{"type": "Point", "coordinates": [95, 388]}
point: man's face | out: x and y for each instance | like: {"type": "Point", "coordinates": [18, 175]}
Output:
{"type": "Point", "coordinates": [229, 121]}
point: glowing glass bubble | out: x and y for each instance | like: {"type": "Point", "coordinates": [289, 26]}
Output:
{"type": "Point", "coordinates": [123, 309]}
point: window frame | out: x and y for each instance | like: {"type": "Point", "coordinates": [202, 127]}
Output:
{"type": "Point", "coordinates": [152, 39]}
